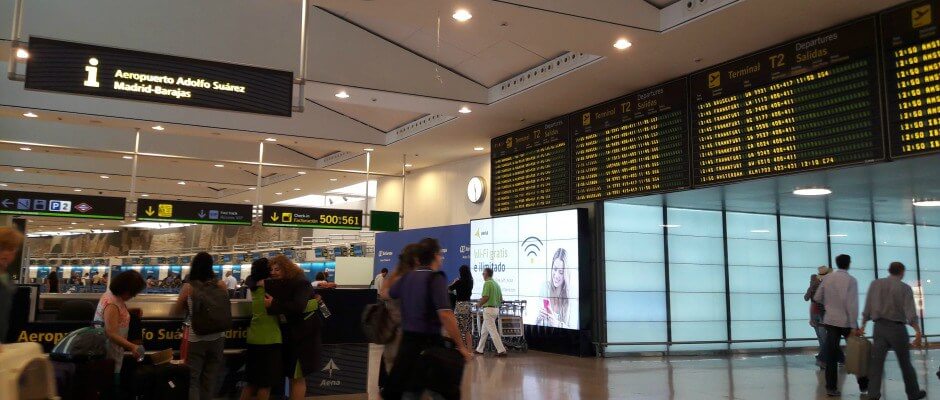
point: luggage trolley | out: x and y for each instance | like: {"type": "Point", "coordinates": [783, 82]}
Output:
{"type": "Point", "coordinates": [510, 325]}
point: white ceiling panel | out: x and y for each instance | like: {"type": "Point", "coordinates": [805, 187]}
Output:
{"type": "Point", "coordinates": [380, 118]}
{"type": "Point", "coordinates": [500, 62]}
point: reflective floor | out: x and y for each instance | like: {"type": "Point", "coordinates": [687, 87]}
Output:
{"type": "Point", "coordinates": [536, 375]}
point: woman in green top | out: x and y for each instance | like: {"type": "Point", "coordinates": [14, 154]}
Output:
{"type": "Point", "coordinates": [263, 358]}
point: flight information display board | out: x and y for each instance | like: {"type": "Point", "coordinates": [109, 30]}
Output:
{"type": "Point", "coordinates": [807, 104]}
{"type": "Point", "coordinates": [633, 145]}
{"type": "Point", "coordinates": [912, 77]}
{"type": "Point", "coordinates": [529, 168]}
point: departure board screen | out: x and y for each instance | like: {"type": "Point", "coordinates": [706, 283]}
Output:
{"type": "Point", "coordinates": [912, 77]}
{"type": "Point", "coordinates": [807, 104]}
{"type": "Point", "coordinates": [632, 145]}
{"type": "Point", "coordinates": [529, 168]}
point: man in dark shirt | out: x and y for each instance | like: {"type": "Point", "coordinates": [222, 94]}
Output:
{"type": "Point", "coordinates": [425, 309]}
{"type": "Point", "coordinates": [890, 303]}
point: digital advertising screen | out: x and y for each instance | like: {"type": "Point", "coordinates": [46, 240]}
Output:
{"type": "Point", "coordinates": [536, 258]}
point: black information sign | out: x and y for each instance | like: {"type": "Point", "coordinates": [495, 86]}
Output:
{"type": "Point", "coordinates": [61, 205]}
{"type": "Point", "coordinates": [300, 217]}
{"type": "Point", "coordinates": [810, 103]}
{"type": "Point", "coordinates": [69, 67]}
{"type": "Point", "coordinates": [193, 212]}
{"type": "Point", "coordinates": [529, 168]}
{"type": "Point", "coordinates": [636, 144]}
{"type": "Point", "coordinates": [912, 77]}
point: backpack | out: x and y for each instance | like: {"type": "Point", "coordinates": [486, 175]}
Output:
{"type": "Point", "coordinates": [212, 309]}
{"type": "Point", "coordinates": [378, 324]}
{"type": "Point", "coordinates": [80, 345]}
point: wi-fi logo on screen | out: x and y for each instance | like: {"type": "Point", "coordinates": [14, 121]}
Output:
{"type": "Point", "coordinates": [532, 247]}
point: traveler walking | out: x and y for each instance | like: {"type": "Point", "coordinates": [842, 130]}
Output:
{"type": "Point", "coordinates": [10, 242]}
{"type": "Point", "coordinates": [425, 309]}
{"type": "Point", "coordinates": [208, 317]}
{"type": "Point", "coordinates": [407, 262]}
{"type": "Point", "coordinates": [839, 295]}
{"type": "Point", "coordinates": [52, 281]}
{"type": "Point", "coordinates": [816, 313]}
{"type": "Point", "coordinates": [491, 300]}
{"type": "Point", "coordinates": [462, 289]}
{"type": "Point", "coordinates": [890, 303]}
{"type": "Point", "coordinates": [263, 356]}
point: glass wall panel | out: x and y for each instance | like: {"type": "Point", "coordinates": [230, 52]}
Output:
{"type": "Point", "coordinates": [928, 243]}
{"type": "Point", "coordinates": [635, 276]}
{"type": "Point", "coordinates": [754, 279]}
{"type": "Point", "coordinates": [697, 278]}
{"type": "Point", "coordinates": [804, 249]}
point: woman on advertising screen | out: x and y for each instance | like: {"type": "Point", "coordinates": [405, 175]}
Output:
{"type": "Point", "coordinates": [554, 308]}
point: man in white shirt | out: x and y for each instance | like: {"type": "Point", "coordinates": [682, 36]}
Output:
{"type": "Point", "coordinates": [839, 295]}
{"type": "Point", "coordinates": [379, 279]}
{"type": "Point", "coordinates": [231, 283]}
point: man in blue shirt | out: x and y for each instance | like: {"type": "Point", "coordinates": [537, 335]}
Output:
{"type": "Point", "coordinates": [425, 309]}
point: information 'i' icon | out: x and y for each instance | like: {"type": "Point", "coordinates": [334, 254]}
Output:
{"type": "Point", "coordinates": [91, 78]}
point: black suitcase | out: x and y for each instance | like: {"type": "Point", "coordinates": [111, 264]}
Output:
{"type": "Point", "coordinates": [161, 382]}
{"type": "Point", "coordinates": [86, 380]}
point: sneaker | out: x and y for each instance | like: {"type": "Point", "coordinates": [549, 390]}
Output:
{"type": "Point", "coordinates": [478, 352]}
{"type": "Point", "coordinates": [921, 395]}
{"type": "Point", "coordinates": [833, 393]}
{"type": "Point", "coordinates": [503, 354]}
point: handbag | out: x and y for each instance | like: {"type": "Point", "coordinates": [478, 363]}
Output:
{"type": "Point", "coordinates": [443, 366]}
{"type": "Point", "coordinates": [858, 350]}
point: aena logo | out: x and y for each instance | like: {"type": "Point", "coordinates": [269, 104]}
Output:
{"type": "Point", "coordinates": [91, 73]}
{"type": "Point", "coordinates": [330, 367]}
{"type": "Point", "coordinates": [532, 247]}
{"type": "Point", "coordinates": [481, 233]}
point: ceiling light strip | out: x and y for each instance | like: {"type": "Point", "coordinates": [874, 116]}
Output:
{"type": "Point", "coordinates": [539, 74]}
{"type": "Point", "coordinates": [415, 127]}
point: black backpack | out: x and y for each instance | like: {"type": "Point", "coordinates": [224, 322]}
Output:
{"type": "Point", "coordinates": [80, 345]}
{"type": "Point", "coordinates": [212, 309]}
{"type": "Point", "coordinates": [378, 324]}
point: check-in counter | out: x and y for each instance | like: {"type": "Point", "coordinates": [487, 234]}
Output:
{"type": "Point", "coordinates": [44, 318]}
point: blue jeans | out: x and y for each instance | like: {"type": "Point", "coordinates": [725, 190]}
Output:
{"type": "Point", "coordinates": [821, 337]}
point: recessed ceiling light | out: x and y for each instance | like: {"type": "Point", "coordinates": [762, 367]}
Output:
{"type": "Point", "coordinates": [812, 191]}
{"type": "Point", "coordinates": [251, 188]}
{"type": "Point", "coordinates": [296, 189]}
{"type": "Point", "coordinates": [670, 226]}
{"type": "Point", "coordinates": [73, 223]}
{"type": "Point", "coordinates": [247, 201]}
{"type": "Point", "coordinates": [270, 139]}
{"type": "Point", "coordinates": [76, 190]}
{"type": "Point", "coordinates": [278, 193]}
{"type": "Point", "coordinates": [478, 148]}
{"type": "Point", "coordinates": [105, 177]}
{"type": "Point", "coordinates": [342, 94]}
{"type": "Point", "coordinates": [100, 224]}
{"type": "Point", "coordinates": [219, 165]}
{"type": "Point", "coordinates": [128, 157]}
{"type": "Point", "coordinates": [462, 15]}
{"type": "Point", "coordinates": [22, 54]}
{"type": "Point", "coordinates": [181, 183]}
{"type": "Point", "coordinates": [30, 115]}
{"type": "Point", "coordinates": [3, 185]}
{"type": "Point", "coordinates": [18, 169]}
{"type": "Point", "coordinates": [144, 195]}
{"type": "Point", "coordinates": [333, 179]}
{"type": "Point", "coordinates": [30, 221]}
{"type": "Point", "coordinates": [465, 110]}
{"type": "Point", "coordinates": [301, 172]}
{"type": "Point", "coordinates": [622, 43]}
{"type": "Point", "coordinates": [408, 165]}
{"type": "Point", "coordinates": [368, 149]}
{"type": "Point", "coordinates": [158, 128]}
{"type": "Point", "coordinates": [26, 149]}
{"type": "Point", "coordinates": [926, 202]}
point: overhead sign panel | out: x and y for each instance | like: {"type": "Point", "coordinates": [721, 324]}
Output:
{"type": "Point", "coordinates": [637, 144]}
{"type": "Point", "coordinates": [193, 212]}
{"type": "Point", "coordinates": [321, 218]}
{"type": "Point", "coordinates": [530, 168]}
{"type": "Point", "coordinates": [808, 104]}
{"type": "Point", "coordinates": [61, 205]}
{"type": "Point", "coordinates": [69, 67]}
{"type": "Point", "coordinates": [911, 45]}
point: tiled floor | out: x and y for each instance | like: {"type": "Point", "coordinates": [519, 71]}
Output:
{"type": "Point", "coordinates": [542, 376]}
